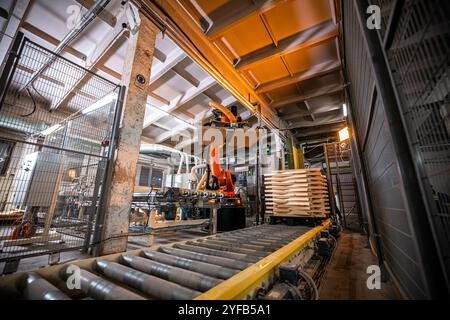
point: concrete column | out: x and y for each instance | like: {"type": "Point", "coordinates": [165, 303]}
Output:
{"type": "Point", "coordinates": [138, 61]}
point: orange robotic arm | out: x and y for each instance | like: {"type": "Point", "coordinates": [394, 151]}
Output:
{"type": "Point", "coordinates": [224, 177]}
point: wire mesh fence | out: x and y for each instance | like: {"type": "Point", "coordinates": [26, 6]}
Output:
{"type": "Point", "coordinates": [56, 124]}
{"type": "Point", "coordinates": [420, 60]}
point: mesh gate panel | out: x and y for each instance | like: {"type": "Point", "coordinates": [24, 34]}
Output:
{"type": "Point", "coordinates": [420, 61]}
{"type": "Point", "coordinates": [56, 122]}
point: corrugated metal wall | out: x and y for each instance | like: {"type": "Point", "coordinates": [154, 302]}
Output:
{"type": "Point", "coordinates": [384, 191]}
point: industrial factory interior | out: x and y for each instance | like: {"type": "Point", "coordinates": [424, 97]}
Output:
{"type": "Point", "coordinates": [249, 150]}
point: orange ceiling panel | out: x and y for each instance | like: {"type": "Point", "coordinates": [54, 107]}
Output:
{"type": "Point", "coordinates": [294, 16]}
{"type": "Point", "coordinates": [304, 59]}
{"type": "Point", "coordinates": [209, 5]}
{"type": "Point", "coordinates": [248, 36]}
{"type": "Point", "coordinates": [269, 71]}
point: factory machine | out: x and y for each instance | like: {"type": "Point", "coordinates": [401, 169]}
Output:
{"type": "Point", "coordinates": [211, 200]}
{"type": "Point", "coordinates": [263, 262]}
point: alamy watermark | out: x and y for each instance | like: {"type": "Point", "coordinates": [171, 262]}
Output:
{"type": "Point", "coordinates": [374, 280]}
{"type": "Point", "coordinates": [374, 20]}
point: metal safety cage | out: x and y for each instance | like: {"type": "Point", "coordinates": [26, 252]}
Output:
{"type": "Point", "coordinates": [56, 133]}
{"type": "Point", "coordinates": [417, 44]}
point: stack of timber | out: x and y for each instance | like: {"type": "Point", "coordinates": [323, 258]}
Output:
{"type": "Point", "coordinates": [301, 192]}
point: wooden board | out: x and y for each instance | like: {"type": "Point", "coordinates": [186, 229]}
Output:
{"type": "Point", "coordinates": [301, 192]}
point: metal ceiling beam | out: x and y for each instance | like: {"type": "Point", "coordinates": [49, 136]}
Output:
{"type": "Point", "coordinates": [179, 101]}
{"type": "Point", "coordinates": [313, 72]}
{"type": "Point", "coordinates": [159, 98]}
{"type": "Point", "coordinates": [159, 55]}
{"type": "Point", "coordinates": [179, 130]}
{"type": "Point", "coordinates": [324, 137]}
{"type": "Point", "coordinates": [186, 75]}
{"type": "Point", "coordinates": [104, 50]}
{"type": "Point", "coordinates": [52, 40]}
{"type": "Point", "coordinates": [185, 31]}
{"type": "Point", "coordinates": [308, 38]}
{"type": "Point", "coordinates": [308, 124]}
{"type": "Point", "coordinates": [317, 112]}
{"type": "Point", "coordinates": [318, 92]}
{"type": "Point", "coordinates": [233, 12]}
{"type": "Point", "coordinates": [175, 57]}
{"type": "Point", "coordinates": [104, 15]}
{"type": "Point", "coordinates": [333, 127]}
{"type": "Point", "coordinates": [16, 17]}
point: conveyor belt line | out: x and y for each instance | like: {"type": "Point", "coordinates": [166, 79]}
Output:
{"type": "Point", "coordinates": [240, 285]}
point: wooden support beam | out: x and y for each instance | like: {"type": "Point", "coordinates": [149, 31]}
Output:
{"type": "Point", "coordinates": [313, 72]}
{"type": "Point", "coordinates": [139, 60]}
{"type": "Point", "coordinates": [308, 38]}
{"type": "Point", "coordinates": [105, 15]}
{"type": "Point", "coordinates": [319, 92]}
{"type": "Point", "coordinates": [232, 12]}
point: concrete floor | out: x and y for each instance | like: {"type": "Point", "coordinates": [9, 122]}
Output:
{"type": "Point", "coordinates": [346, 276]}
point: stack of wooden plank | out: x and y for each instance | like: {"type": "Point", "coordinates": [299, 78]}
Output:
{"type": "Point", "coordinates": [301, 192]}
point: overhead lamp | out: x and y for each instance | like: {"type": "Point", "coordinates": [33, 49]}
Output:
{"type": "Point", "coordinates": [344, 110]}
{"type": "Point", "coordinates": [51, 130]}
{"type": "Point", "coordinates": [344, 134]}
{"type": "Point", "coordinates": [100, 103]}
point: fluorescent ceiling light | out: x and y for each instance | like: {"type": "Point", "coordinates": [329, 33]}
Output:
{"type": "Point", "coordinates": [51, 129]}
{"type": "Point", "coordinates": [344, 109]}
{"type": "Point", "coordinates": [100, 103]}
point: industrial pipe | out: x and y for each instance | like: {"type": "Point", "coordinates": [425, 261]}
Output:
{"type": "Point", "coordinates": [99, 288]}
{"type": "Point", "coordinates": [151, 285]}
{"type": "Point", "coordinates": [224, 110]}
{"type": "Point", "coordinates": [224, 262]}
{"type": "Point", "coordinates": [195, 168]}
{"type": "Point", "coordinates": [183, 277]}
{"type": "Point", "coordinates": [34, 287]}
{"type": "Point", "coordinates": [196, 266]}
{"type": "Point", "coordinates": [86, 19]}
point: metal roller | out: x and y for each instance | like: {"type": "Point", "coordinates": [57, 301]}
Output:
{"type": "Point", "coordinates": [219, 253]}
{"type": "Point", "coordinates": [101, 289]}
{"type": "Point", "coordinates": [183, 277]}
{"type": "Point", "coordinates": [151, 285]}
{"type": "Point", "coordinates": [220, 245]}
{"type": "Point", "coordinates": [200, 267]}
{"type": "Point", "coordinates": [34, 287]}
{"type": "Point", "coordinates": [220, 261]}
{"type": "Point", "coordinates": [251, 239]}
{"type": "Point", "coordinates": [239, 243]}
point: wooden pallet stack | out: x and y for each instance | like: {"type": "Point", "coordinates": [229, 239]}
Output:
{"type": "Point", "coordinates": [301, 192]}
